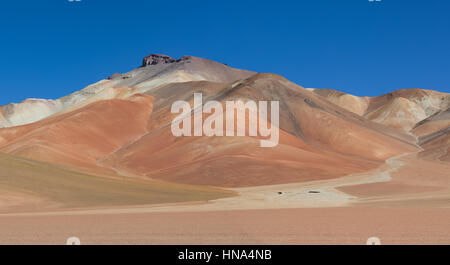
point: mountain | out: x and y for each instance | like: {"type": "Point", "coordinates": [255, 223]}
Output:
{"type": "Point", "coordinates": [424, 114]}
{"type": "Point", "coordinates": [314, 139]}
{"type": "Point", "coordinates": [401, 109]}
{"type": "Point", "coordinates": [80, 137]}
{"type": "Point", "coordinates": [436, 122]}
{"type": "Point", "coordinates": [122, 124]}
{"type": "Point", "coordinates": [349, 102]}
{"type": "Point", "coordinates": [434, 136]}
{"type": "Point", "coordinates": [120, 127]}
{"type": "Point", "coordinates": [153, 73]}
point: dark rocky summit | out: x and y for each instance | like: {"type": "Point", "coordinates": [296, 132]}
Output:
{"type": "Point", "coordinates": [157, 59]}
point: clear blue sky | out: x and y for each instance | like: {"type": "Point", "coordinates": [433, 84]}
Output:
{"type": "Point", "coordinates": [50, 48]}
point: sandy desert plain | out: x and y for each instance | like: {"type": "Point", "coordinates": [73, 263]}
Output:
{"type": "Point", "coordinates": [102, 164]}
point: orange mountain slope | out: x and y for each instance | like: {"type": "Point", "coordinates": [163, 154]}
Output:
{"type": "Point", "coordinates": [82, 136]}
{"type": "Point", "coordinates": [317, 140]}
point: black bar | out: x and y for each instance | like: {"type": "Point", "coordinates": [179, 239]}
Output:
{"type": "Point", "coordinates": [238, 254]}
